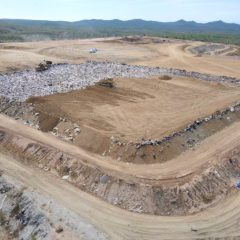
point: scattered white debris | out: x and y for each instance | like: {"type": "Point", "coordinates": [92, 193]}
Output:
{"type": "Point", "coordinates": [65, 177]}
{"type": "Point", "coordinates": [217, 173]}
{"type": "Point", "coordinates": [77, 130]}
{"type": "Point", "coordinates": [93, 50]}
{"type": "Point", "coordinates": [62, 78]}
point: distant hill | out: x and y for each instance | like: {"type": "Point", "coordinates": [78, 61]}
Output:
{"type": "Point", "coordinates": [34, 30]}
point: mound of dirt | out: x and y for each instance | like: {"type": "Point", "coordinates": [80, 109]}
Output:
{"type": "Point", "coordinates": [133, 39]}
{"type": "Point", "coordinates": [145, 40]}
{"type": "Point", "coordinates": [114, 116]}
{"type": "Point", "coordinates": [165, 77]}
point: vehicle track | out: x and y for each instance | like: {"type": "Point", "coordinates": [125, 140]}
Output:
{"type": "Point", "coordinates": [208, 152]}
{"type": "Point", "coordinates": [190, 183]}
{"type": "Point", "coordinates": [221, 221]}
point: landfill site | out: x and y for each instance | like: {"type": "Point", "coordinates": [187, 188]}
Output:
{"type": "Point", "coordinates": [119, 138]}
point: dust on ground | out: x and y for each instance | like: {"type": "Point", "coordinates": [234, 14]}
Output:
{"type": "Point", "coordinates": [125, 111]}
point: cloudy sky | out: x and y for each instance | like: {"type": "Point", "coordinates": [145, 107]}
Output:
{"type": "Point", "coordinates": [160, 10]}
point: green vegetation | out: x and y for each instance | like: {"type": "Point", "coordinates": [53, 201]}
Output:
{"type": "Point", "coordinates": [33, 237]}
{"type": "Point", "coordinates": [2, 219]}
{"type": "Point", "coordinates": [205, 37]}
{"type": "Point", "coordinates": [15, 211]}
{"type": "Point", "coordinates": [29, 30]}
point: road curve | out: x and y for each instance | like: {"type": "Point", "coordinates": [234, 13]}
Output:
{"type": "Point", "coordinates": [221, 221]}
{"type": "Point", "coordinates": [210, 151]}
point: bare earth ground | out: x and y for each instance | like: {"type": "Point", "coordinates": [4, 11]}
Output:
{"type": "Point", "coordinates": [173, 55]}
{"type": "Point", "coordinates": [139, 108]}
{"type": "Point", "coordinates": [187, 163]}
{"type": "Point", "coordinates": [131, 110]}
{"type": "Point", "coordinates": [219, 221]}
{"type": "Point", "coordinates": [4, 235]}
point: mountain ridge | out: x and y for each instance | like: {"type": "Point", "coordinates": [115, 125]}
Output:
{"type": "Point", "coordinates": [27, 30]}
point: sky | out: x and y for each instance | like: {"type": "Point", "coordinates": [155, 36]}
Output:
{"type": "Point", "coordinates": [158, 10]}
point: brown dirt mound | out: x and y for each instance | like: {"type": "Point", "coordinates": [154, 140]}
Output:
{"type": "Point", "coordinates": [116, 114]}
{"type": "Point", "coordinates": [165, 77]}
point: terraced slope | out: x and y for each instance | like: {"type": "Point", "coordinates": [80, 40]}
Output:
{"type": "Point", "coordinates": [223, 153]}
{"type": "Point", "coordinates": [141, 153]}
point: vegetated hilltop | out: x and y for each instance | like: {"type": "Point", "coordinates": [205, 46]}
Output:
{"type": "Point", "coordinates": [35, 30]}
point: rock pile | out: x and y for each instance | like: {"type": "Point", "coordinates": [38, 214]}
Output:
{"type": "Point", "coordinates": [13, 108]}
{"type": "Point", "coordinates": [27, 214]}
{"type": "Point", "coordinates": [20, 216]}
{"type": "Point", "coordinates": [21, 111]}
{"type": "Point", "coordinates": [66, 130]}
{"type": "Point", "coordinates": [62, 78]}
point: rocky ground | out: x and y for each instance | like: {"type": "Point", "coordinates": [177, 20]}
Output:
{"type": "Point", "coordinates": [67, 77]}
{"type": "Point", "coordinates": [26, 215]}
{"type": "Point", "coordinates": [181, 196]}
{"type": "Point", "coordinates": [19, 216]}
{"type": "Point", "coordinates": [208, 48]}
{"type": "Point", "coordinates": [26, 113]}
{"type": "Point", "coordinates": [20, 111]}
{"type": "Point", "coordinates": [64, 78]}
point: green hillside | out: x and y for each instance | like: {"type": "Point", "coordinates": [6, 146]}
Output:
{"type": "Point", "coordinates": [35, 30]}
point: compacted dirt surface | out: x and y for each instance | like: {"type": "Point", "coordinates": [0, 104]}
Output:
{"type": "Point", "coordinates": [139, 140]}
{"type": "Point", "coordinates": [133, 109]}
{"type": "Point", "coordinates": [168, 53]}
{"type": "Point", "coordinates": [119, 224]}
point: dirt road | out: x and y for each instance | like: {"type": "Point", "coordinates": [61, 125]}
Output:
{"type": "Point", "coordinates": [217, 222]}
{"type": "Point", "coordinates": [220, 221]}
{"type": "Point", "coordinates": [173, 55]}
{"type": "Point", "coordinates": [209, 151]}
{"type": "Point", "coordinates": [176, 55]}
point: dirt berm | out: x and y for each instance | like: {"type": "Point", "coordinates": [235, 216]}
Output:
{"type": "Point", "coordinates": [177, 196]}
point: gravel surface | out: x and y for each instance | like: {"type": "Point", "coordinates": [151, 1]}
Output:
{"type": "Point", "coordinates": [27, 214]}
{"type": "Point", "coordinates": [19, 216]}
{"type": "Point", "coordinates": [62, 78]}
